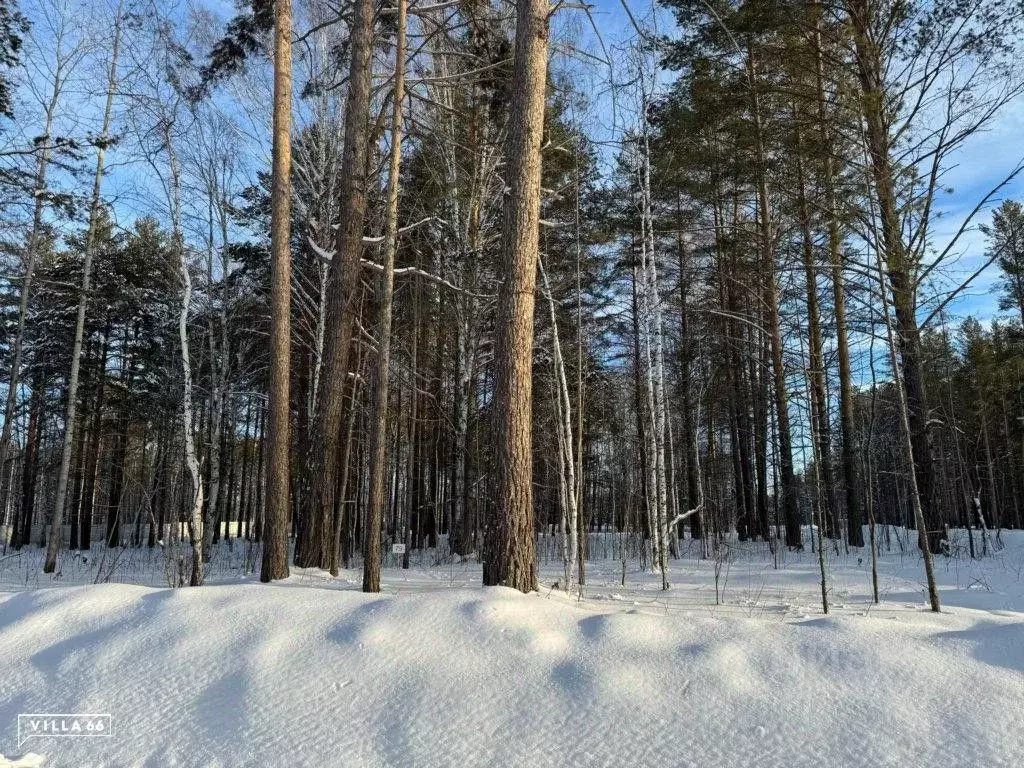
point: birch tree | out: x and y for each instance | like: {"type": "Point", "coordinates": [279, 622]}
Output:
{"type": "Point", "coordinates": [70, 417]}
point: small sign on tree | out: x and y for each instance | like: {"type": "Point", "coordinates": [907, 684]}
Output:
{"type": "Point", "coordinates": [398, 549]}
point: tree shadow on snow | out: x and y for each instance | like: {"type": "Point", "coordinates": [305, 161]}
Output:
{"type": "Point", "coordinates": [1001, 645]}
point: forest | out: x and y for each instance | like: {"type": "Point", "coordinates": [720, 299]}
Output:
{"type": "Point", "coordinates": [512, 382]}
{"type": "Point", "coordinates": [466, 276]}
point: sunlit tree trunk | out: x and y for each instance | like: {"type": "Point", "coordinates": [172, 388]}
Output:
{"type": "Point", "coordinates": [509, 549]}
{"type": "Point", "coordinates": [316, 526]}
{"type": "Point", "coordinates": [278, 419]}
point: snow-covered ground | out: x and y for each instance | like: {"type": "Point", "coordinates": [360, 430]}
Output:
{"type": "Point", "coordinates": [439, 671]}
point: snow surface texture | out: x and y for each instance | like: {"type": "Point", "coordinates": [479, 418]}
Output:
{"type": "Point", "coordinates": [437, 672]}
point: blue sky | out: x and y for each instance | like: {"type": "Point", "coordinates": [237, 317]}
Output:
{"type": "Point", "coordinates": [981, 163]}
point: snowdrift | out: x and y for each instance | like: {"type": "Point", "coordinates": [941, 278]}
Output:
{"type": "Point", "coordinates": [291, 675]}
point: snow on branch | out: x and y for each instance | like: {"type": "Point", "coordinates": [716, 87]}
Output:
{"type": "Point", "coordinates": [415, 271]}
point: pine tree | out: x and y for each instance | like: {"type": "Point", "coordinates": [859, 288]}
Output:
{"type": "Point", "coordinates": [278, 495]}
{"type": "Point", "coordinates": [1006, 242]}
{"type": "Point", "coordinates": [509, 551]}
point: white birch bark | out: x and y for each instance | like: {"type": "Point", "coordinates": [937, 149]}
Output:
{"type": "Point", "coordinates": [196, 528]}
{"type": "Point", "coordinates": [653, 353]}
{"type": "Point", "coordinates": [53, 543]}
{"type": "Point", "coordinates": [567, 462]}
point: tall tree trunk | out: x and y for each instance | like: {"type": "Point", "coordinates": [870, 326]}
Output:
{"type": "Point", "coordinates": [379, 393]}
{"type": "Point", "coordinates": [638, 402]}
{"type": "Point", "coordinates": [790, 510]}
{"type": "Point", "coordinates": [53, 545]}
{"type": "Point", "coordinates": [817, 378]}
{"type": "Point", "coordinates": [232, 456]}
{"type": "Point", "coordinates": [259, 481]}
{"type": "Point", "coordinates": [906, 441]}
{"type": "Point", "coordinates": [854, 500]}
{"type": "Point", "coordinates": [898, 266]}
{"type": "Point", "coordinates": [739, 421]}
{"type": "Point", "coordinates": [243, 491]}
{"type": "Point", "coordinates": [759, 364]}
{"type": "Point", "coordinates": [509, 550]}
{"type": "Point", "coordinates": [469, 250]}
{"type": "Point", "coordinates": [654, 352]}
{"type": "Point", "coordinates": [81, 431]}
{"type": "Point", "coordinates": [118, 456]}
{"type": "Point", "coordinates": [92, 458]}
{"type": "Point", "coordinates": [460, 439]}
{"type": "Point", "coordinates": [188, 420]}
{"type": "Point", "coordinates": [343, 516]}
{"type": "Point", "coordinates": [342, 301]}
{"type": "Point", "coordinates": [278, 474]}
{"type": "Point", "coordinates": [564, 430]}
{"type": "Point", "coordinates": [156, 485]}
{"type": "Point", "coordinates": [990, 475]}
{"type": "Point", "coordinates": [690, 493]}
{"type": "Point", "coordinates": [214, 457]}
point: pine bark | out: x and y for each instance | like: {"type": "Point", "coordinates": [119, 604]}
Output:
{"type": "Point", "coordinates": [278, 418]}
{"type": "Point", "coordinates": [342, 299]}
{"type": "Point", "coordinates": [509, 549]}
